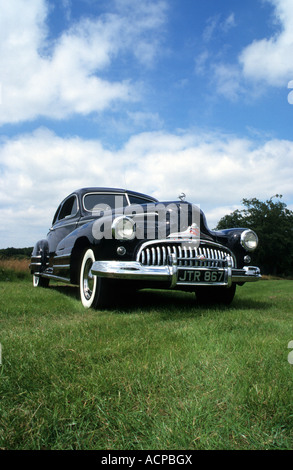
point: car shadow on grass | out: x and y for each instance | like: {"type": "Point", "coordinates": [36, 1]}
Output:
{"type": "Point", "coordinates": [150, 300]}
{"type": "Point", "coordinates": [172, 302]}
{"type": "Point", "coordinates": [66, 290]}
{"type": "Point", "coordinates": [131, 300]}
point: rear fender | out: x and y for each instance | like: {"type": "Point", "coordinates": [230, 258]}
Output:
{"type": "Point", "coordinates": [40, 256]}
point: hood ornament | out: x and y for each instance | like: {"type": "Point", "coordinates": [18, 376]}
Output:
{"type": "Point", "coordinates": [182, 196]}
{"type": "Point", "coordinates": [192, 232]}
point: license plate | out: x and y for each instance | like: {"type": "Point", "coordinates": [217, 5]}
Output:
{"type": "Point", "coordinates": [194, 276]}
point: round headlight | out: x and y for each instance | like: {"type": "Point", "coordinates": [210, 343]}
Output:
{"type": "Point", "coordinates": [123, 228]}
{"type": "Point", "coordinates": [249, 240]}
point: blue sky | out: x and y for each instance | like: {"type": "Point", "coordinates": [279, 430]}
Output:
{"type": "Point", "coordinates": [160, 96]}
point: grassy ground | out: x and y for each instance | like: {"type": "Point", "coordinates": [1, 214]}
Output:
{"type": "Point", "coordinates": [157, 372]}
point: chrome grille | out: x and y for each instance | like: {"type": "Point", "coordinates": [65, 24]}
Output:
{"type": "Point", "coordinates": [207, 254]}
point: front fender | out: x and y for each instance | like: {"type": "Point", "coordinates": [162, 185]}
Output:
{"type": "Point", "coordinates": [84, 231]}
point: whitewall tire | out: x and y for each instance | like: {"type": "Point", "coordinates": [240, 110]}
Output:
{"type": "Point", "coordinates": [94, 291]}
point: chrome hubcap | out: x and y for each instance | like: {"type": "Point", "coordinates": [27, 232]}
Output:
{"type": "Point", "coordinates": [88, 280]}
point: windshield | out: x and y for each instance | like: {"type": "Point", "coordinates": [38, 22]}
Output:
{"type": "Point", "coordinates": [95, 202]}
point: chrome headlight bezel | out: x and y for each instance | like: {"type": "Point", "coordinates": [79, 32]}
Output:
{"type": "Point", "coordinates": [249, 240]}
{"type": "Point", "coordinates": [123, 228]}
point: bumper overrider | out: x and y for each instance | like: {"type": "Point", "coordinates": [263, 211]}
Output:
{"type": "Point", "coordinates": [177, 273]}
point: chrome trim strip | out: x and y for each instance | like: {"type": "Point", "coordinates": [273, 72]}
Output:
{"type": "Point", "coordinates": [52, 276]}
{"type": "Point", "coordinates": [61, 266]}
{"type": "Point", "coordinates": [61, 225]}
{"type": "Point", "coordinates": [62, 256]}
{"type": "Point", "coordinates": [56, 278]}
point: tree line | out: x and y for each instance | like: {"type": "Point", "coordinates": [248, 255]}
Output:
{"type": "Point", "coordinates": [273, 223]}
{"type": "Point", "coordinates": [16, 252]}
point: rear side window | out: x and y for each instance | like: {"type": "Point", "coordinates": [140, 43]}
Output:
{"type": "Point", "coordinates": [69, 208]}
{"type": "Point", "coordinates": [56, 214]}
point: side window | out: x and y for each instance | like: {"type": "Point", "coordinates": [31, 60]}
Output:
{"type": "Point", "coordinates": [69, 208]}
{"type": "Point", "coordinates": [139, 200]}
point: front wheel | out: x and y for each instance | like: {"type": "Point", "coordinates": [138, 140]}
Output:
{"type": "Point", "coordinates": [93, 290]}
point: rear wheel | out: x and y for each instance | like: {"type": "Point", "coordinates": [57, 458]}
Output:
{"type": "Point", "coordinates": [94, 291]}
{"type": "Point", "coordinates": [41, 251]}
{"type": "Point", "coordinates": [39, 281]}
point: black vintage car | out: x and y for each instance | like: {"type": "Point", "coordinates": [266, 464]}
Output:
{"type": "Point", "coordinates": [110, 240]}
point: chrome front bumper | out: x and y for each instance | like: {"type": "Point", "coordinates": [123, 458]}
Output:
{"type": "Point", "coordinates": [175, 275]}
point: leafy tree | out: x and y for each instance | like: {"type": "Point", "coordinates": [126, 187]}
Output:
{"type": "Point", "coordinates": [273, 223]}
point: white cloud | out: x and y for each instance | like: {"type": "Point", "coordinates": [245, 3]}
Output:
{"type": "Point", "coordinates": [145, 120]}
{"type": "Point", "coordinates": [215, 171]}
{"type": "Point", "coordinates": [215, 24]}
{"type": "Point", "coordinates": [264, 62]}
{"type": "Point", "coordinates": [56, 79]}
{"type": "Point", "coordinates": [201, 62]}
{"type": "Point", "coordinates": [228, 23]}
{"type": "Point", "coordinates": [228, 79]}
{"type": "Point", "coordinates": [270, 59]}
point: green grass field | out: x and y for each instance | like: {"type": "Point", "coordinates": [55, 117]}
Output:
{"type": "Point", "coordinates": [157, 372]}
